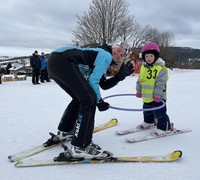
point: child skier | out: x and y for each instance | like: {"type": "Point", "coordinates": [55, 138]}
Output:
{"type": "Point", "coordinates": [151, 87]}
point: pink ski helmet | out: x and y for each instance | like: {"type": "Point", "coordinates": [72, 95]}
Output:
{"type": "Point", "coordinates": [151, 48]}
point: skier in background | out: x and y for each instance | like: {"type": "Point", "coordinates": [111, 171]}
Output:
{"type": "Point", "coordinates": [1, 73]}
{"type": "Point", "coordinates": [151, 87]}
{"type": "Point", "coordinates": [43, 73]}
{"type": "Point", "coordinates": [80, 72]}
{"type": "Point", "coordinates": [36, 65]}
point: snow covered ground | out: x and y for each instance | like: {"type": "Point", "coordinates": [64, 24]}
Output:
{"type": "Point", "coordinates": [29, 112]}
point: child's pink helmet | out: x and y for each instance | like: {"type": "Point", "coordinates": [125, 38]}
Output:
{"type": "Point", "coordinates": [151, 48]}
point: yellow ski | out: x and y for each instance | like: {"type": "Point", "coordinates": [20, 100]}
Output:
{"type": "Point", "coordinates": [35, 150]}
{"type": "Point", "coordinates": [173, 156]}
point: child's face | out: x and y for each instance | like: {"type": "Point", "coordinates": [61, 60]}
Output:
{"type": "Point", "coordinates": [149, 58]}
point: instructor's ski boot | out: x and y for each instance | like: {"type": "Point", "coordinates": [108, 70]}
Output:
{"type": "Point", "coordinates": [92, 151]}
{"type": "Point", "coordinates": [60, 137]}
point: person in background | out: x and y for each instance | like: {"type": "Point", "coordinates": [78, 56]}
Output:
{"type": "Point", "coordinates": [151, 86]}
{"type": "Point", "coordinates": [36, 65]}
{"type": "Point", "coordinates": [9, 65]}
{"type": "Point", "coordinates": [80, 72]}
{"type": "Point", "coordinates": [43, 73]}
{"type": "Point", "coordinates": [1, 73]}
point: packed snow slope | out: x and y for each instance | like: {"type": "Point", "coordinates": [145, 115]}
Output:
{"type": "Point", "coordinates": [29, 112]}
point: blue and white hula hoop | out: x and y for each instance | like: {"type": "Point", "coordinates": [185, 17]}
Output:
{"type": "Point", "coordinates": [127, 109]}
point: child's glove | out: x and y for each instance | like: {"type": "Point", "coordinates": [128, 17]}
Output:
{"type": "Point", "coordinates": [156, 98]}
{"type": "Point", "coordinates": [102, 106]}
{"type": "Point", "coordinates": [138, 95]}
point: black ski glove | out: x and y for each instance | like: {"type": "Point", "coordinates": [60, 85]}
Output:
{"type": "Point", "coordinates": [125, 70]}
{"type": "Point", "coordinates": [102, 106]}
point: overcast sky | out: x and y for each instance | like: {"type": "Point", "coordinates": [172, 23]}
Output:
{"type": "Point", "coordinates": [48, 24]}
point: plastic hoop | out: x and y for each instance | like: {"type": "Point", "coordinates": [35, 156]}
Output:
{"type": "Point", "coordinates": [127, 109]}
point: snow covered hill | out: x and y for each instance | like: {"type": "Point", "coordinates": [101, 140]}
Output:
{"type": "Point", "coordinates": [29, 113]}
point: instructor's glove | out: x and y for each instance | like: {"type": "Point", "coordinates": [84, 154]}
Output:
{"type": "Point", "coordinates": [103, 106]}
{"type": "Point", "coordinates": [125, 70]}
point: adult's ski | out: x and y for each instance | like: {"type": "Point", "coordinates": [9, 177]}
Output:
{"type": "Point", "coordinates": [150, 137]}
{"type": "Point", "coordinates": [173, 156]}
{"type": "Point", "coordinates": [37, 149]}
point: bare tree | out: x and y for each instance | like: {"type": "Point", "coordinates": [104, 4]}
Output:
{"type": "Point", "coordinates": [139, 35]}
{"type": "Point", "coordinates": [164, 39]}
{"type": "Point", "coordinates": [108, 20]}
{"type": "Point", "coordinates": [152, 35]}
{"type": "Point", "coordinates": [105, 22]}
{"type": "Point", "coordinates": [127, 28]}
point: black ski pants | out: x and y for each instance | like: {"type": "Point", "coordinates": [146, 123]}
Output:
{"type": "Point", "coordinates": [44, 75]}
{"type": "Point", "coordinates": [80, 112]}
{"type": "Point", "coordinates": [35, 75]}
{"type": "Point", "coordinates": [163, 121]}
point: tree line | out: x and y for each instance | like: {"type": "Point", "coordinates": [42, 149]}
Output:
{"type": "Point", "coordinates": [108, 21]}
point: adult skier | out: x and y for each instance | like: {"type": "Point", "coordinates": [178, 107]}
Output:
{"type": "Point", "coordinates": [80, 72]}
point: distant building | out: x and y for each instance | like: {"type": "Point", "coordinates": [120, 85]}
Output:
{"type": "Point", "coordinates": [17, 73]}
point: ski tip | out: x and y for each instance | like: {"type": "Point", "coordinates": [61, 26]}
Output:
{"type": "Point", "coordinates": [114, 119]}
{"type": "Point", "coordinates": [179, 153]}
